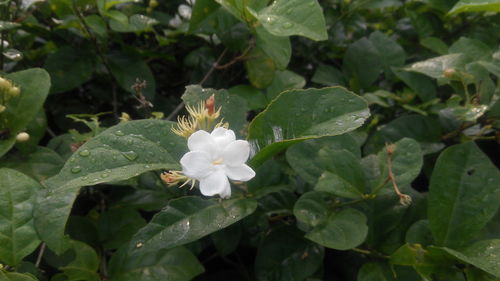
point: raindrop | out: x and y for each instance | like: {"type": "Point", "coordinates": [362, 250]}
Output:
{"type": "Point", "coordinates": [147, 166]}
{"type": "Point", "coordinates": [84, 153]}
{"type": "Point", "coordinates": [104, 175]}
{"type": "Point", "coordinates": [119, 133]}
{"type": "Point", "coordinates": [76, 169]}
{"type": "Point", "coordinates": [287, 25]}
{"type": "Point", "coordinates": [130, 155]}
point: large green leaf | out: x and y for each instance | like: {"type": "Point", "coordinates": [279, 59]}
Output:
{"type": "Point", "coordinates": [284, 255]}
{"type": "Point", "coordinates": [40, 164]}
{"type": "Point", "coordinates": [463, 179]}
{"type": "Point", "coordinates": [18, 237]}
{"type": "Point", "coordinates": [14, 276]}
{"type": "Point", "coordinates": [187, 219]}
{"type": "Point", "coordinates": [304, 157]}
{"type": "Point", "coordinates": [239, 7]}
{"type": "Point", "coordinates": [361, 60]}
{"type": "Point", "coordinates": [391, 54]}
{"type": "Point", "coordinates": [297, 115]}
{"type": "Point", "coordinates": [294, 17]}
{"type": "Point", "coordinates": [278, 48]}
{"type": "Point", "coordinates": [69, 68]}
{"type": "Point", "coordinates": [117, 226]}
{"type": "Point", "coordinates": [344, 175]}
{"type": "Point", "coordinates": [341, 231]}
{"type": "Point", "coordinates": [312, 208]}
{"type": "Point", "coordinates": [84, 264]}
{"type": "Point", "coordinates": [34, 84]}
{"type": "Point", "coordinates": [482, 254]}
{"type": "Point", "coordinates": [475, 6]}
{"type": "Point", "coordinates": [435, 67]}
{"type": "Point", "coordinates": [119, 153]}
{"type": "Point", "coordinates": [260, 68]}
{"type": "Point", "coordinates": [177, 264]}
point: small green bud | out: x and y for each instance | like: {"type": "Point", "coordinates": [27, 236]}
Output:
{"type": "Point", "coordinates": [2, 108]}
{"type": "Point", "coordinates": [22, 137]}
{"type": "Point", "coordinates": [4, 84]}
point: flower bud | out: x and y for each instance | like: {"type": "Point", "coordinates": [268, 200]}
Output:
{"type": "Point", "coordinates": [210, 105]}
{"type": "Point", "coordinates": [2, 108]}
{"type": "Point", "coordinates": [4, 84]}
{"type": "Point", "coordinates": [449, 72]}
{"type": "Point", "coordinates": [14, 91]}
{"type": "Point", "coordinates": [22, 137]}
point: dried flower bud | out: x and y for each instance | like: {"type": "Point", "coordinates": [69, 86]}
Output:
{"type": "Point", "coordinates": [22, 137]}
{"type": "Point", "coordinates": [449, 72]}
{"type": "Point", "coordinates": [405, 200]}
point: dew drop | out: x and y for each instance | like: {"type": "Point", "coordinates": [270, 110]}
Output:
{"type": "Point", "coordinates": [119, 133]}
{"type": "Point", "coordinates": [147, 166]}
{"type": "Point", "coordinates": [287, 25]}
{"type": "Point", "coordinates": [76, 169]}
{"type": "Point", "coordinates": [84, 153]}
{"type": "Point", "coordinates": [130, 155]}
{"type": "Point", "coordinates": [104, 175]}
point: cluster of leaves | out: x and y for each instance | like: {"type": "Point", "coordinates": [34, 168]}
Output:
{"type": "Point", "coordinates": [379, 170]}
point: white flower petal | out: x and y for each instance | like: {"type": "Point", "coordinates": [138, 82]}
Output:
{"type": "Point", "coordinates": [240, 172]}
{"type": "Point", "coordinates": [223, 137]}
{"type": "Point", "coordinates": [215, 183]}
{"type": "Point", "coordinates": [236, 153]}
{"type": "Point", "coordinates": [197, 164]}
{"type": "Point", "coordinates": [202, 141]}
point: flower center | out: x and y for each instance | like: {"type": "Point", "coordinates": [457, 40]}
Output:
{"type": "Point", "coordinates": [218, 161]}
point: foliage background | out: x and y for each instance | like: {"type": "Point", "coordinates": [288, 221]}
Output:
{"type": "Point", "coordinates": [79, 201]}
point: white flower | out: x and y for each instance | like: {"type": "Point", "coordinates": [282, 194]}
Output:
{"type": "Point", "coordinates": [175, 21]}
{"type": "Point", "coordinates": [184, 11]}
{"type": "Point", "coordinates": [215, 157]}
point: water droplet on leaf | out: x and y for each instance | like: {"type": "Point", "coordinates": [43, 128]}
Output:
{"type": "Point", "coordinates": [84, 153]}
{"type": "Point", "coordinates": [119, 133]}
{"type": "Point", "coordinates": [130, 155]}
{"type": "Point", "coordinates": [76, 169]}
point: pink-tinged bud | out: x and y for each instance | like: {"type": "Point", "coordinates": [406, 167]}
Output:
{"type": "Point", "coordinates": [449, 72]}
{"type": "Point", "coordinates": [210, 105]}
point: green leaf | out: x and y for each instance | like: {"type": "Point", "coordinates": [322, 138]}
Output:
{"type": "Point", "coordinates": [305, 160]}
{"type": "Point", "coordinates": [201, 10]}
{"type": "Point", "coordinates": [255, 98]}
{"type": "Point", "coordinates": [187, 219]}
{"type": "Point", "coordinates": [328, 75]}
{"type": "Point", "coordinates": [136, 23]}
{"type": "Point", "coordinates": [435, 67]}
{"type": "Point", "coordinates": [17, 199]}
{"type": "Point", "coordinates": [473, 48]}
{"type": "Point", "coordinates": [312, 208]}
{"type": "Point", "coordinates": [128, 68]}
{"type": "Point", "coordinates": [463, 179]}
{"type": "Point", "coordinates": [177, 264]}
{"type": "Point", "coordinates": [34, 84]}
{"type": "Point", "coordinates": [40, 164]}
{"type": "Point", "coordinates": [84, 265]}
{"type": "Point", "coordinates": [424, 87]}
{"type": "Point", "coordinates": [362, 60]}
{"type": "Point", "coordinates": [260, 68]}
{"type": "Point", "coordinates": [277, 48]}
{"type": "Point", "coordinates": [423, 129]}
{"type": "Point", "coordinates": [7, 25]}
{"type": "Point", "coordinates": [344, 175]}
{"type": "Point", "coordinates": [435, 44]}
{"type": "Point", "coordinates": [284, 255]}
{"type": "Point", "coordinates": [482, 254]}
{"type": "Point", "coordinates": [419, 233]}
{"type": "Point", "coordinates": [227, 239]}
{"type": "Point", "coordinates": [390, 53]}
{"type": "Point", "coordinates": [344, 230]}
{"type": "Point", "coordinates": [195, 94]}
{"type": "Point", "coordinates": [284, 80]}
{"type": "Point", "coordinates": [297, 115]}
{"type": "Point", "coordinates": [475, 6]}
{"type": "Point", "coordinates": [238, 8]}
{"type": "Point", "coordinates": [14, 276]}
{"type": "Point", "coordinates": [69, 68]}
{"type": "Point", "coordinates": [117, 226]}
{"type": "Point", "coordinates": [119, 153]}
{"type": "Point", "coordinates": [294, 17]}
{"type": "Point", "coordinates": [379, 271]}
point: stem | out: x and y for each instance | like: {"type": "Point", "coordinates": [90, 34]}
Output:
{"type": "Point", "coordinates": [40, 255]}
{"type": "Point", "coordinates": [370, 253]}
{"type": "Point", "coordinates": [466, 92]}
{"type": "Point", "coordinates": [205, 78]}
{"type": "Point", "coordinates": [403, 198]}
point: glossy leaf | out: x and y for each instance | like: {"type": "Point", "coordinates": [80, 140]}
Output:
{"type": "Point", "coordinates": [14, 276]}
{"type": "Point", "coordinates": [294, 17]}
{"type": "Point", "coordinates": [117, 226]}
{"type": "Point", "coordinates": [278, 48]}
{"type": "Point", "coordinates": [40, 164]}
{"type": "Point", "coordinates": [18, 237]}
{"type": "Point", "coordinates": [435, 67]}
{"type": "Point", "coordinates": [482, 254]}
{"type": "Point", "coordinates": [119, 153]}
{"type": "Point", "coordinates": [475, 6]}
{"type": "Point", "coordinates": [284, 80]}
{"type": "Point", "coordinates": [463, 179]}
{"type": "Point", "coordinates": [187, 219]}
{"type": "Point", "coordinates": [341, 231]}
{"type": "Point", "coordinates": [177, 264]}
{"type": "Point", "coordinates": [84, 264]}
{"type": "Point", "coordinates": [260, 68]}
{"type": "Point", "coordinates": [361, 60]}
{"type": "Point", "coordinates": [34, 84]}
{"type": "Point", "coordinates": [312, 208]}
{"type": "Point", "coordinates": [297, 115]}
{"type": "Point", "coordinates": [284, 255]}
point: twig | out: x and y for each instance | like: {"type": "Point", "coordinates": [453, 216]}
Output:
{"type": "Point", "coordinates": [205, 78]}
{"type": "Point", "coordinates": [370, 253]}
{"type": "Point", "coordinates": [40, 255]}
{"type": "Point", "coordinates": [404, 199]}
{"type": "Point", "coordinates": [457, 131]}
